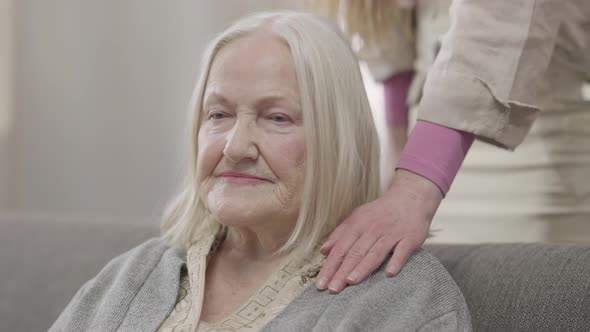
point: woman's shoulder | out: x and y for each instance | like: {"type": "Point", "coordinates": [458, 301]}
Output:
{"type": "Point", "coordinates": [422, 297]}
{"type": "Point", "coordinates": [137, 261]}
{"type": "Point", "coordinates": [150, 250]}
{"type": "Point", "coordinates": [422, 278]}
{"type": "Point", "coordinates": [116, 285]}
{"type": "Point", "coordinates": [422, 269]}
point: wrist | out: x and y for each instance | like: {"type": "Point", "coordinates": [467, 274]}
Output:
{"type": "Point", "coordinates": [417, 188]}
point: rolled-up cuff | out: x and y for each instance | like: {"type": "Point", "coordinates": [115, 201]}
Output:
{"type": "Point", "coordinates": [468, 104]}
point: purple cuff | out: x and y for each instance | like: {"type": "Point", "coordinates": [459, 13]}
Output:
{"type": "Point", "coordinates": [436, 153]}
{"type": "Point", "coordinates": [395, 91]}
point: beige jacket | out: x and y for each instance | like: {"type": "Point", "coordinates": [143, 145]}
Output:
{"type": "Point", "coordinates": [491, 75]}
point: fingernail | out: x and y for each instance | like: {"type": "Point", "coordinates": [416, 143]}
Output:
{"type": "Point", "coordinates": [390, 272]}
{"type": "Point", "coordinates": [322, 283]}
{"type": "Point", "coordinates": [335, 286]}
{"type": "Point", "coordinates": [353, 276]}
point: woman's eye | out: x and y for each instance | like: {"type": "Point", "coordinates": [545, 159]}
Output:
{"type": "Point", "coordinates": [217, 116]}
{"type": "Point", "coordinates": [279, 118]}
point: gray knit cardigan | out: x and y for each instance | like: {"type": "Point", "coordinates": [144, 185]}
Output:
{"type": "Point", "coordinates": [137, 291]}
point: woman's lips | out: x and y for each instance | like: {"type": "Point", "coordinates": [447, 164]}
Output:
{"type": "Point", "coordinates": [241, 178]}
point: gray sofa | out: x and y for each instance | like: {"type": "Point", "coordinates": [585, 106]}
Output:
{"type": "Point", "coordinates": [508, 287]}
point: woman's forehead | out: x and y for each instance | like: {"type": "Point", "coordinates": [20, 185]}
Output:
{"type": "Point", "coordinates": [256, 64]}
{"type": "Point", "coordinates": [259, 55]}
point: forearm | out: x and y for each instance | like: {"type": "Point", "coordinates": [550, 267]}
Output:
{"type": "Point", "coordinates": [485, 78]}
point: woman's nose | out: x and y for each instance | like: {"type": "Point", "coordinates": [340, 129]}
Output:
{"type": "Point", "coordinates": [241, 142]}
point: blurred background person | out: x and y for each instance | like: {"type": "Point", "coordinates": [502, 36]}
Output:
{"type": "Point", "coordinates": [382, 33]}
{"type": "Point", "coordinates": [539, 193]}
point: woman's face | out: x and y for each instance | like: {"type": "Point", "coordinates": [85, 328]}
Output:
{"type": "Point", "coordinates": [251, 144]}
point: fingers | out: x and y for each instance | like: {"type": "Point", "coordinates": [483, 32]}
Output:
{"type": "Point", "coordinates": [353, 257]}
{"type": "Point", "coordinates": [327, 247]}
{"type": "Point", "coordinates": [372, 260]}
{"type": "Point", "coordinates": [365, 256]}
{"type": "Point", "coordinates": [401, 253]}
{"type": "Point", "coordinates": [336, 234]}
{"type": "Point", "coordinates": [336, 257]}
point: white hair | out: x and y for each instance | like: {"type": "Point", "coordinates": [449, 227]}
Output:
{"type": "Point", "coordinates": [342, 149]}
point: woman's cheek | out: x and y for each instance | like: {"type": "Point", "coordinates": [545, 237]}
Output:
{"type": "Point", "coordinates": [210, 151]}
{"type": "Point", "coordinates": [286, 154]}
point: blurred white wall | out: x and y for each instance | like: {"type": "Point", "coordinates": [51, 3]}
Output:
{"type": "Point", "coordinates": [101, 94]}
{"type": "Point", "coordinates": [6, 103]}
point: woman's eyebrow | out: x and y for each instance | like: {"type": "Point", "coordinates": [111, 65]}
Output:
{"type": "Point", "coordinates": [277, 99]}
{"type": "Point", "coordinates": [274, 99]}
{"type": "Point", "coordinates": [217, 98]}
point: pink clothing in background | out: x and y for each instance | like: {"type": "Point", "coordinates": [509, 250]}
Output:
{"type": "Point", "coordinates": [436, 153]}
{"type": "Point", "coordinates": [395, 91]}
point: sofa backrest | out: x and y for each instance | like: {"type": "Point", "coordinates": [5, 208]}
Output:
{"type": "Point", "coordinates": [44, 262]}
{"type": "Point", "coordinates": [508, 287]}
{"type": "Point", "coordinates": [522, 287]}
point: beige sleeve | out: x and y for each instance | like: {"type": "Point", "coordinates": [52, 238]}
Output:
{"type": "Point", "coordinates": [487, 74]}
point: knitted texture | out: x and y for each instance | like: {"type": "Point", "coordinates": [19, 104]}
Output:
{"type": "Point", "coordinates": [137, 290]}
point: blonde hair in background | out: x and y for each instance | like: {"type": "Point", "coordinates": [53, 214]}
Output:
{"type": "Point", "coordinates": [372, 22]}
{"type": "Point", "coordinates": [342, 149]}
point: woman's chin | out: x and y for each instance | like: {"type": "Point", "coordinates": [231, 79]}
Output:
{"type": "Point", "coordinates": [236, 221]}
{"type": "Point", "coordinates": [238, 215]}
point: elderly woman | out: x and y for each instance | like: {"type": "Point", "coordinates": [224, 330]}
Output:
{"type": "Point", "coordinates": [284, 148]}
